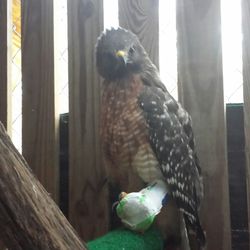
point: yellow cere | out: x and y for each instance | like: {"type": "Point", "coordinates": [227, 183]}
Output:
{"type": "Point", "coordinates": [120, 53]}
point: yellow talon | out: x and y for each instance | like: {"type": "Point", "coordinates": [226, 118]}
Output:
{"type": "Point", "coordinates": [122, 195]}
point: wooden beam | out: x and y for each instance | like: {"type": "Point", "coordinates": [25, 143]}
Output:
{"type": "Point", "coordinates": [40, 120]}
{"type": "Point", "coordinates": [246, 89]}
{"type": "Point", "coordinates": [5, 62]}
{"type": "Point", "coordinates": [201, 92]}
{"type": "Point", "coordinates": [142, 18]}
{"type": "Point", "coordinates": [29, 218]}
{"type": "Point", "coordinates": [88, 195]}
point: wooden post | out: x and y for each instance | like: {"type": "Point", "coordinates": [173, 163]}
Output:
{"type": "Point", "coordinates": [5, 83]}
{"type": "Point", "coordinates": [5, 51]}
{"type": "Point", "coordinates": [246, 89]}
{"type": "Point", "coordinates": [29, 218]}
{"type": "Point", "coordinates": [40, 120]}
{"type": "Point", "coordinates": [88, 192]}
{"type": "Point", "coordinates": [142, 18]}
{"type": "Point", "coordinates": [201, 92]}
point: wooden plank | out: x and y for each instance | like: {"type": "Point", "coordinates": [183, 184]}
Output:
{"type": "Point", "coordinates": [246, 89]}
{"type": "Point", "coordinates": [5, 61]}
{"type": "Point", "coordinates": [40, 120]}
{"type": "Point", "coordinates": [88, 195]}
{"type": "Point", "coordinates": [29, 218]}
{"type": "Point", "coordinates": [142, 18]}
{"type": "Point", "coordinates": [201, 92]}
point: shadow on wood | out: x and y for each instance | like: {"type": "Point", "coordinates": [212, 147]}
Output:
{"type": "Point", "coordinates": [29, 218]}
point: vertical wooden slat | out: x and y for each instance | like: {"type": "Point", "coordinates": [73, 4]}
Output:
{"type": "Point", "coordinates": [40, 122]}
{"type": "Point", "coordinates": [246, 88]}
{"type": "Point", "coordinates": [88, 192]}
{"type": "Point", "coordinates": [201, 92]}
{"type": "Point", "coordinates": [5, 83]}
{"type": "Point", "coordinates": [142, 18]}
{"type": "Point", "coordinates": [5, 41]}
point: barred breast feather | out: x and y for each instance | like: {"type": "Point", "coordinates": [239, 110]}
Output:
{"type": "Point", "coordinates": [125, 136]}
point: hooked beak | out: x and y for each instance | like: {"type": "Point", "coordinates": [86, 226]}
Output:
{"type": "Point", "coordinates": [122, 54]}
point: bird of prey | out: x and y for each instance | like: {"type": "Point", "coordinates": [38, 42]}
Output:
{"type": "Point", "coordinates": [146, 134]}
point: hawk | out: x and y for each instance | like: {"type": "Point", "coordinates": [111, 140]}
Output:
{"type": "Point", "coordinates": [146, 134]}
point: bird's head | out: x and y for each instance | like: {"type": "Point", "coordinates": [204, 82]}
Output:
{"type": "Point", "coordinates": [118, 54]}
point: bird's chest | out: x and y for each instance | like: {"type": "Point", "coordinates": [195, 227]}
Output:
{"type": "Point", "coordinates": [125, 139]}
{"type": "Point", "coordinates": [123, 127]}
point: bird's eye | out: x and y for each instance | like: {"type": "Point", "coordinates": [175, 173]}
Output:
{"type": "Point", "coordinates": [131, 50]}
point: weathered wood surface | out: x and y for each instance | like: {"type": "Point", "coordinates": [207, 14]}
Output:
{"type": "Point", "coordinates": [88, 192]}
{"type": "Point", "coordinates": [201, 92]}
{"type": "Point", "coordinates": [142, 18]}
{"type": "Point", "coordinates": [5, 84]}
{"type": "Point", "coordinates": [29, 218]}
{"type": "Point", "coordinates": [246, 89]}
{"type": "Point", "coordinates": [2, 247]}
{"type": "Point", "coordinates": [40, 120]}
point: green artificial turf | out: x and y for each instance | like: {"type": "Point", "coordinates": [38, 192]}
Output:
{"type": "Point", "coordinates": [123, 239]}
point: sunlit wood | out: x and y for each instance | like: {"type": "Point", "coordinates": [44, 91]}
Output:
{"type": "Point", "coordinates": [16, 15]}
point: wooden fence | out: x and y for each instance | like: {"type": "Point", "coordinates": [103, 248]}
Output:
{"type": "Point", "coordinates": [200, 86]}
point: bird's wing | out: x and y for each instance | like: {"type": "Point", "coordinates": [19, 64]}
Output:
{"type": "Point", "coordinates": [167, 123]}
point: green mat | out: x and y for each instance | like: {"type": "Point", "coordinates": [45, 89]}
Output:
{"type": "Point", "coordinates": [123, 239]}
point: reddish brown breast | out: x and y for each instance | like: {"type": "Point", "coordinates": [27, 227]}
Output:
{"type": "Point", "coordinates": [123, 129]}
